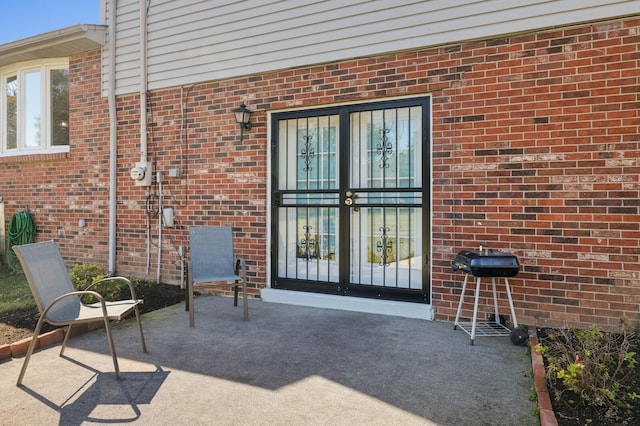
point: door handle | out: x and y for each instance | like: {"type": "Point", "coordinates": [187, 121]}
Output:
{"type": "Point", "coordinates": [348, 200]}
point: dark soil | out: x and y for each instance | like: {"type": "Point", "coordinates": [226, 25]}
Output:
{"type": "Point", "coordinates": [571, 411]}
{"type": "Point", "coordinates": [16, 326]}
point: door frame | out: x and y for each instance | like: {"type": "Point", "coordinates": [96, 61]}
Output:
{"type": "Point", "coordinates": [389, 294]}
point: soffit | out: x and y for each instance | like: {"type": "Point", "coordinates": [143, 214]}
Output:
{"type": "Point", "coordinates": [54, 44]}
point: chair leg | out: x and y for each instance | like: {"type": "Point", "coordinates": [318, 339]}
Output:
{"type": "Point", "coordinates": [245, 303]}
{"type": "Point", "coordinates": [67, 335]}
{"type": "Point", "coordinates": [192, 320]}
{"type": "Point", "coordinates": [186, 298]}
{"type": "Point", "coordinates": [235, 294]}
{"type": "Point", "coordinates": [144, 345]}
{"type": "Point", "coordinates": [107, 327]}
{"type": "Point", "coordinates": [187, 288]}
{"type": "Point", "coordinates": [241, 265]}
{"type": "Point", "coordinates": [32, 346]}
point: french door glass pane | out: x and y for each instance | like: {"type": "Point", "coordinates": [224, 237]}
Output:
{"type": "Point", "coordinates": [308, 231]}
{"type": "Point", "coordinates": [386, 238]}
{"type": "Point", "coordinates": [386, 247]}
{"type": "Point", "coordinates": [386, 149]}
{"type": "Point", "coordinates": [308, 243]}
{"type": "Point", "coordinates": [312, 143]}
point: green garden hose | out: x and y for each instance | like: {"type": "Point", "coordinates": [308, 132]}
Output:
{"type": "Point", "coordinates": [21, 230]}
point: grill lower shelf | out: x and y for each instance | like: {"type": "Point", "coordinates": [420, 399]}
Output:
{"type": "Point", "coordinates": [486, 329]}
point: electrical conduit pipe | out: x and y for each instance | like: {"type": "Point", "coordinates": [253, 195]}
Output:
{"type": "Point", "coordinates": [113, 138]}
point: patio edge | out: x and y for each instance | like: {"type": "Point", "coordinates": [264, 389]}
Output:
{"type": "Point", "coordinates": [547, 416]}
{"type": "Point", "coordinates": [12, 350]}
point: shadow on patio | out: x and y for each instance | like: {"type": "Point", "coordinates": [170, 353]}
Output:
{"type": "Point", "coordinates": [289, 364]}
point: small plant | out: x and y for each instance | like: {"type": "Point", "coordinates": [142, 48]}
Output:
{"type": "Point", "coordinates": [595, 365]}
{"type": "Point", "coordinates": [83, 275]}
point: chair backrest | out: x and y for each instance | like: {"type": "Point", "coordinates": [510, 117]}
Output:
{"type": "Point", "coordinates": [48, 279]}
{"type": "Point", "coordinates": [211, 253]}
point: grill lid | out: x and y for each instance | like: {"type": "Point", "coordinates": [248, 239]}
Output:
{"type": "Point", "coordinates": [486, 263]}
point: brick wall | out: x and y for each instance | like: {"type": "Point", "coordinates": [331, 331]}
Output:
{"type": "Point", "coordinates": [535, 151]}
{"type": "Point", "coordinates": [61, 189]}
{"type": "Point", "coordinates": [223, 182]}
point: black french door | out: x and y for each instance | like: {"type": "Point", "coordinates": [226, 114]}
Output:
{"type": "Point", "coordinates": [350, 200]}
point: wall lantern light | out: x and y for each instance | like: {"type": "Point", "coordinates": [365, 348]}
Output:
{"type": "Point", "coordinates": [243, 117]}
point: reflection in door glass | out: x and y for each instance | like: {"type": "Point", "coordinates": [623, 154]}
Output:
{"type": "Point", "coordinates": [386, 238]}
{"type": "Point", "coordinates": [308, 232]}
{"type": "Point", "coordinates": [307, 243]}
{"type": "Point", "coordinates": [387, 247]}
{"type": "Point", "coordinates": [388, 143]}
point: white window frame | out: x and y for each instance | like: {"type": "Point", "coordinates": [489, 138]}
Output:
{"type": "Point", "coordinates": [20, 71]}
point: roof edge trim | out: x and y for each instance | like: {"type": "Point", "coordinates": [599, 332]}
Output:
{"type": "Point", "coordinates": [63, 42]}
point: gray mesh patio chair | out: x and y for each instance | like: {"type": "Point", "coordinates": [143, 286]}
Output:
{"type": "Point", "coordinates": [60, 304]}
{"type": "Point", "coordinates": [212, 260]}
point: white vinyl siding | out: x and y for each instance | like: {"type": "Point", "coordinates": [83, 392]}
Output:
{"type": "Point", "coordinates": [191, 41]}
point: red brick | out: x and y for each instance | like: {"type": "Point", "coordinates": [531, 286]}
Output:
{"type": "Point", "coordinates": [51, 337]}
{"type": "Point", "coordinates": [548, 418]}
{"type": "Point", "coordinates": [5, 351]}
{"type": "Point", "coordinates": [20, 347]}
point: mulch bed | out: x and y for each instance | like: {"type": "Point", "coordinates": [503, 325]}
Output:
{"type": "Point", "coordinates": [16, 326]}
{"type": "Point", "coordinates": [571, 411]}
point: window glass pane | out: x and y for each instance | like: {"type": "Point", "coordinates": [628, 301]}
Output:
{"type": "Point", "coordinates": [32, 109]}
{"type": "Point", "coordinates": [12, 109]}
{"type": "Point", "coordinates": [59, 98]}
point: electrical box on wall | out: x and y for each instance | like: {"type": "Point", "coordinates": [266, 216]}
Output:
{"type": "Point", "coordinates": [141, 174]}
{"type": "Point", "coordinates": [167, 217]}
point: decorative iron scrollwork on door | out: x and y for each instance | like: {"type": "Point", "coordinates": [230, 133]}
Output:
{"type": "Point", "coordinates": [384, 148]}
{"type": "Point", "coordinates": [307, 152]}
{"type": "Point", "coordinates": [307, 245]}
{"type": "Point", "coordinates": [384, 247]}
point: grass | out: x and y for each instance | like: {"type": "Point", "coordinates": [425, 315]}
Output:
{"type": "Point", "coordinates": [15, 294]}
{"type": "Point", "coordinates": [19, 313]}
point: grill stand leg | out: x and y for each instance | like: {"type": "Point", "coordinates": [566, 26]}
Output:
{"type": "Point", "coordinates": [475, 310]}
{"type": "Point", "coordinates": [513, 312]}
{"type": "Point", "coordinates": [464, 288]}
{"type": "Point", "coordinates": [496, 313]}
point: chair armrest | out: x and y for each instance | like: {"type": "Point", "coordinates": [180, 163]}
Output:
{"type": "Point", "coordinates": [79, 293]}
{"type": "Point", "coordinates": [108, 279]}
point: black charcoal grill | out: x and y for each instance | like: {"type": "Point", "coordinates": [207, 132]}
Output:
{"type": "Point", "coordinates": [486, 263]}
{"type": "Point", "coordinates": [483, 263]}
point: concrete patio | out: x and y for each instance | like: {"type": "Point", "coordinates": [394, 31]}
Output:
{"type": "Point", "coordinates": [288, 365]}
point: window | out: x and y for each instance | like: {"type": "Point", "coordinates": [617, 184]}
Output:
{"type": "Point", "coordinates": [34, 108]}
{"type": "Point", "coordinates": [12, 112]}
{"type": "Point", "coordinates": [59, 106]}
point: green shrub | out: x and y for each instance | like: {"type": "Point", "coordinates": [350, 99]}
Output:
{"type": "Point", "coordinates": [83, 275]}
{"type": "Point", "coordinates": [595, 365]}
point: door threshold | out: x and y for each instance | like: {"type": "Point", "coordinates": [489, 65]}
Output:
{"type": "Point", "coordinates": [347, 303]}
